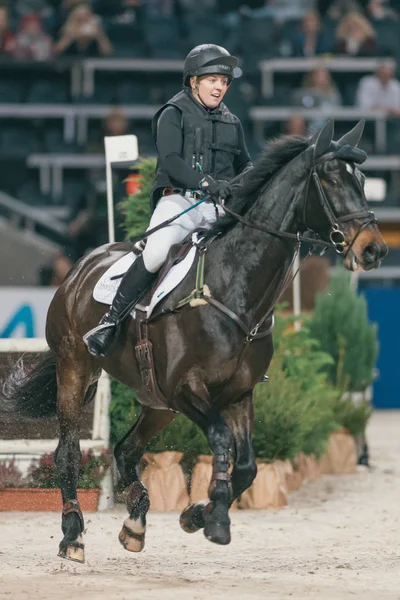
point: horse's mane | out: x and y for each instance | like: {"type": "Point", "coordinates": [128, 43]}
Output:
{"type": "Point", "coordinates": [276, 155]}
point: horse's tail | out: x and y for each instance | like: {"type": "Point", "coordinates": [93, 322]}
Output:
{"type": "Point", "coordinates": [31, 390]}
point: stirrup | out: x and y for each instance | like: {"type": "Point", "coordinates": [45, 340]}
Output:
{"type": "Point", "coordinates": [102, 347]}
{"type": "Point", "coordinates": [98, 329]}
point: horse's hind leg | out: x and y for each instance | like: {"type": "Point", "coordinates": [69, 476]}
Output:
{"type": "Point", "coordinates": [73, 379]}
{"type": "Point", "coordinates": [239, 418]}
{"type": "Point", "coordinates": [128, 453]}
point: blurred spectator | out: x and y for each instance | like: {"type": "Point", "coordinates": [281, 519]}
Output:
{"type": "Point", "coordinates": [87, 226]}
{"type": "Point", "coordinates": [311, 40]}
{"type": "Point", "coordinates": [83, 35]}
{"type": "Point", "coordinates": [43, 8]}
{"type": "Point", "coordinates": [355, 36]}
{"type": "Point", "coordinates": [339, 8]}
{"type": "Point", "coordinates": [192, 8]}
{"type": "Point", "coordinates": [68, 5]}
{"type": "Point", "coordinates": [55, 273]}
{"type": "Point", "coordinates": [7, 39]}
{"type": "Point", "coordinates": [81, 227]}
{"type": "Point", "coordinates": [160, 9]}
{"type": "Point", "coordinates": [380, 91]}
{"type": "Point", "coordinates": [380, 10]}
{"type": "Point", "coordinates": [31, 41]}
{"type": "Point", "coordinates": [295, 125]}
{"type": "Point", "coordinates": [116, 123]}
{"type": "Point", "coordinates": [120, 11]}
{"type": "Point", "coordinates": [281, 10]}
{"type": "Point", "coordinates": [88, 223]}
{"type": "Point", "coordinates": [318, 90]}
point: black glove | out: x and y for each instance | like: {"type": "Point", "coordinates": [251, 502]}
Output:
{"type": "Point", "coordinates": [216, 188]}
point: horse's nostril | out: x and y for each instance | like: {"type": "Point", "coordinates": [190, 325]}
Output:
{"type": "Point", "coordinates": [371, 253]}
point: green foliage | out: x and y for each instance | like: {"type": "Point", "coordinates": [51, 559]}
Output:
{"type": "Point", "coordinates": [340, 324]}
{"type": "Point", "coordinates": [294, 412]}
{"type": "Point", "coordinates": [136, 207]}
{"type": "Point", "coordinates": [353, 415]}
{"type": "Point", "coordinates": [181, 435]}
{"type": "Point", "coordinates": [124, 410]}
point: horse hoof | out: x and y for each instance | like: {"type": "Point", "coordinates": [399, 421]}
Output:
{"type": "Point", "coordinates": [218, 533]}
{"type": "Point", "coordinates": [192, 519]}
{"type": "Point", "coordinates": [131, 541]}
{"type": "Point", "coordinates": [75, 553]}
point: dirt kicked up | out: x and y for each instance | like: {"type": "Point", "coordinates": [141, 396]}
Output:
{"type": "Point", "coordinates": [338, 539]}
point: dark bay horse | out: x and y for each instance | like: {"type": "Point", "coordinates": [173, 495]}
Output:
{"type": "Point", "coordinates": [207, 363]}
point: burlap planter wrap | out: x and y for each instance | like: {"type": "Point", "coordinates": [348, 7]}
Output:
{"type": "Point", "coordinates": [201, 477]}
{"type": "Point", "coordinates": [308, 466]}
{"type": "Point", "coordinates": [289, 478]}
{"type": "Point", "coordinates": [165, 481]}
{"type": "Point", "coordinates": [325, 464]}
{"type": "Point", "coordinates": [266, 490]}
{"type": "Point", "coordinates": [342, 452]}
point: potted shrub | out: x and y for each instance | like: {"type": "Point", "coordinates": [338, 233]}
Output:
{"type": "Point", "coordinates": [340, 324]}
{"type": "Point", "coordinates": [39, 490]}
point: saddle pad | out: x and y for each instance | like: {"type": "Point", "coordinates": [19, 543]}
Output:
{"type": "Point", "coordinates": [106, 288]}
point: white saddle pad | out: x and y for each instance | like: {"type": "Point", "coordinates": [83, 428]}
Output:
{"type": "Point", "coordinates": [106, 288]}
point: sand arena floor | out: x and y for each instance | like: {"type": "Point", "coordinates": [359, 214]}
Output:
{"type": "Point", "coordinates": [338, 539]}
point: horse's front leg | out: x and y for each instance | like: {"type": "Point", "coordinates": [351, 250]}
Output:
{"type": "Point", "coordinates": [239, 418]}
{"type": "Point", "coordinates": [194, 401]}
{"type": "Point", "coordinates": [72, 383]}
{"type": "Point", "coordinates": [128, 453]}
{"type": "Point", "coordinates": [216, 517]}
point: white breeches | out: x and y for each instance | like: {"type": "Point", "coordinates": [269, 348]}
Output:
{"type": "Point", "coordinates": [159, 243]}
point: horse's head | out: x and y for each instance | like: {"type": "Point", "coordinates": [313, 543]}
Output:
{"type": "Point", "coordinates": [335, 206]}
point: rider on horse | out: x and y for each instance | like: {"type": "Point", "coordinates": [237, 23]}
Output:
{"type": "Point", "coordinates": [200, 146]}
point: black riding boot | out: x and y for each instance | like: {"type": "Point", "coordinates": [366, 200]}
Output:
{"type": "Point", "coordinates": [132, 287]}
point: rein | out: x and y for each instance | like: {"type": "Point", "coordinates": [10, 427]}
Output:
{"type": "Point", "coordinates": [281, 234]}
{"type": "Point", "coordinates": [202, 294]}
{"type": "Point", "coordinates": [336, 235]}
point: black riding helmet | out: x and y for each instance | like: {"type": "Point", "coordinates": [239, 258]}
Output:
{"type": "Point", "coordinates": [209, 59]}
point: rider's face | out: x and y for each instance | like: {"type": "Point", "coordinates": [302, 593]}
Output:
{"type": "Point", "coordinates": [210, 89]}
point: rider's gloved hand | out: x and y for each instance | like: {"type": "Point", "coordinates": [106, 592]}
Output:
{"type": "Point", "coordinates": [216, 188]}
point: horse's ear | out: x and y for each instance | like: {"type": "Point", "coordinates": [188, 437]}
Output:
{"type": "Point", "coordinates": [353, 137]}
{"type": "Point", "coordinates": [323, 139]}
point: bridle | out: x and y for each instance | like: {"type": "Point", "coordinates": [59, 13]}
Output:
{"type": "Point", "coordinates": [336, 236]}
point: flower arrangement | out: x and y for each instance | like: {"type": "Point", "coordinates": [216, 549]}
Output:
{"type": "Point", "coordinates": [42, 472]}
{"type": "Point", "coordinates": [10, 475]}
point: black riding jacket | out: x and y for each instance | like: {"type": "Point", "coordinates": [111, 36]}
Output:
{"type": "Point", "coordinates": [219, 147]}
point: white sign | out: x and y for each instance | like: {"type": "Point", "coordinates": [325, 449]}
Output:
{"type": "Point", "coordinates": [118, 148]}
{"type": "Point", "coordinates": [121, 148]}
{"type": "Point", "coordinates": [24, 310]}
{"type": "Point", "coordinates": [375, 189]}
